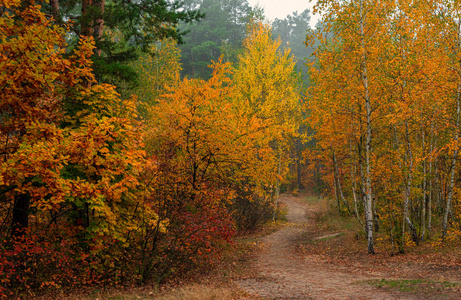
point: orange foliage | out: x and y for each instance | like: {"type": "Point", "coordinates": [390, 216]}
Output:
{"type": "Point", "coordinates": [413, 87]}
{"type": "Point", "coordinates": [70, 155]}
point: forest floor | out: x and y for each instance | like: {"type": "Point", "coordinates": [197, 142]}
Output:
{"type": "Point", "coordinates": [316, 254]}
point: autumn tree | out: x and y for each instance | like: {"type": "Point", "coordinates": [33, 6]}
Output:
{"type": "Point", "coordinates": [201, 154]}
{"type": "Point", "coordinates": [70, 153]}
{"type": "Point", "coordinates": [451, 11]}
{"type": "Point", "coordinates": [268, 93]}
{"type": "Point", "coordinates": [388, 76]}
{"type": "Point", "coordinates": [156, 71]}
{"type": "Point", "coordinates": [352, 61]}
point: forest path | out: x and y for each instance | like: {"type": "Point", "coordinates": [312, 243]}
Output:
{"type": "Point", "coordinates": [284, 274]}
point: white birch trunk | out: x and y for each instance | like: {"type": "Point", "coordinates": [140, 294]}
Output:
{"type": "Point", "coordinates": [455, 152]}
{"type": "Point", "coordinates": [429, 204]}
{"type": "Point", "coordinates": [453, 167]}
{"type": "Point", "coordinates": [354, 186]}
{"type": "Point", "coordinates": [369, 199]}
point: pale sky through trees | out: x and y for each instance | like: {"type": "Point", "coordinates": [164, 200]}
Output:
{"type": "Point", "coordinates": [280, 9]}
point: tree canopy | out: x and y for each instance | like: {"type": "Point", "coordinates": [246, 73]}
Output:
{"type": "Point", "coordinates": [221, 32]}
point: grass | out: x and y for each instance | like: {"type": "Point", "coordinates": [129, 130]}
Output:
{"type": "Point", "coordinates": [328, 219]}
{"type": "Point", "coordinates": [115, 294]}
{"type": "Point", "coordinates": [192, 291]}
{"type": "Point", "coordinates": [199, 292]}
{"type": "Point", "coordinates": [418, 286]}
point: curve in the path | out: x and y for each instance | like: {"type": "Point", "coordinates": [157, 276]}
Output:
{"type": "Point", "coordinates": [282, 274]}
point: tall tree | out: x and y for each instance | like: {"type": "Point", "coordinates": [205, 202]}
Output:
{"type": "Point", "coordinates": [391, 67]}
{"type": "Point", "coordinates": [138, 25]}
{"type": "Point", "coordinates": [358, 27]}
{"type": "Point", "coordinates": [221, 32]}
{"type": "Point", "coordinates": [156, 71]}
{"type": "Point", "coordinates": [292, 31]}
{"type": "Point", "coordinates": [269, 91]}
{"type": "Point", "coordinates": [69, 152]}
{"type": "Point", "coordinates": [452, 38]}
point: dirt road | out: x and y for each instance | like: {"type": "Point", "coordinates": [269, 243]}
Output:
{"type": "Point", "coordinates": [283, 274]}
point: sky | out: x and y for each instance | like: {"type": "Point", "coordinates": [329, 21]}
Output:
{"type": "Point", "coordinates": [281, 8]}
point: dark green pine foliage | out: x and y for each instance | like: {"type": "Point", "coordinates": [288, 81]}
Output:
{"type": "Point", "coordinates": [122, 29]}
{"type": "Point", "coordinates": [292, 31]}
{"type": "Point", "coordinates": [221, 32]}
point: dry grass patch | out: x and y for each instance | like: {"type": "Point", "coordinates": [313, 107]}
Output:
{"type": "Point", "coordinates": [201, 292]}
{"type": "Point", "coordinates": [193, 291]}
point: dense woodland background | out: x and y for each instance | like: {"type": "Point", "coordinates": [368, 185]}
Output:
{"type": "Point", "coordinates": [138, 138]}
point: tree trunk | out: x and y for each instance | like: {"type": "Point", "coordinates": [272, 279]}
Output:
{"type": "Point", "coordinates": [55, 10]}
{"type": "Point", "coordinates": [354, 187]}
{"type": "Point", "coordinates": [369, 199]}
{"type": "Point", "coordinates": [340, 190]}
{"type": "Point", "coordinates": [277, 183]}
{"type": "Point", "coordinates": [335, 184]}
{"type": "Point", "coordinates": [453, 166]}
{"type": "Point", "coordinates": [20, 220]}
{"type": "Point", "coordinates": [99, 23]}
{"type": "Point", "coordinates": [86, 21]}
{"type": "Point", "coordinates": [429, 204]}
{"type": "Point", "coordinates": [424, 198]}
{"type": "Point", "coordinates": [299, 169]}
{"type": "Point", "coordinates": [407, 189]}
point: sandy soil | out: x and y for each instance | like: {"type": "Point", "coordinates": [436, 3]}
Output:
{"type": "Point", "coordinates": [282, 273]}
